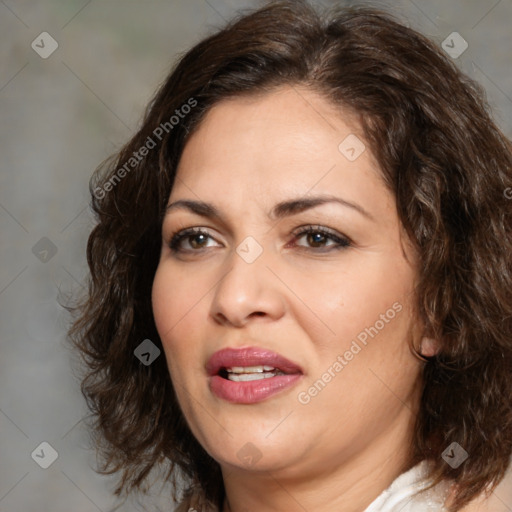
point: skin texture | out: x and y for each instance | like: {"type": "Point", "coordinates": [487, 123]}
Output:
{"type": "Point", "coordinates": [302, 297]}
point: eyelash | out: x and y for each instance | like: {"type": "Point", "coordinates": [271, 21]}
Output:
{"type": "Point", "coordinates": [342, 242]}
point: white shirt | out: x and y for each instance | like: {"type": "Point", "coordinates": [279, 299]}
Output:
{"type": "Point", "coordinates": [399, 496]}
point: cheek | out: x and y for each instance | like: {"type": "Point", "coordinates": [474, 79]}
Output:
{"type": "Point", "coordinates": [373, 291]}
{"type": "Point", "coordinates": [174, 298]}
{"type": "Point", "coordinates": [179, 302]}
{"type": "Point", "coordinates": [164, 302]}
{"type": "Point", "coordinates": [170, 307]}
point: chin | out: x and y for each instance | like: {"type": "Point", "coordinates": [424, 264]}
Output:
{"type": "Point", "coordinates": [251, 447]}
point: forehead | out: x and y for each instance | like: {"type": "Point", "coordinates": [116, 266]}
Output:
{"type": "Point", "coordinates": [288, 141]}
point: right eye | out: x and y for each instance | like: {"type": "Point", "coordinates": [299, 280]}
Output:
{"type": "Point", "coordinates": [195, 237]}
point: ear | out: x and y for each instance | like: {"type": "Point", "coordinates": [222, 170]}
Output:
{"type": "Point", "coordinates": [429, 347]}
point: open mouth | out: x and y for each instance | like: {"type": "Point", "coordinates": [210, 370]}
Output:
{"type": "Point", "coordinates": [249, 373]}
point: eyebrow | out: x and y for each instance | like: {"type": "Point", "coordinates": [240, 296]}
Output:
{"type": "Point", "coordinates": [280, 210]}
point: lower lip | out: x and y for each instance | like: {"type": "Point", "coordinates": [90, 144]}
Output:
{"type": "Point", "coordinates": [253, 391]}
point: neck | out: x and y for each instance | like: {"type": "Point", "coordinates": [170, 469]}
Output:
{"type": "Point", "coordinates": [351, 485]}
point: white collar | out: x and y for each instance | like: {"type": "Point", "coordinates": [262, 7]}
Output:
{"type": "Point", "coordinates": [400, 495]}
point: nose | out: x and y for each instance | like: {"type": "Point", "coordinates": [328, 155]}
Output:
{"type": "Point", "coordinates": [247, 291]}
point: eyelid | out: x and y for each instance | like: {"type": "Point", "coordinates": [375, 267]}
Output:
{"type": "Point", "coordinates": [317, 227]}
{"type": "Point", "coordinates": [177, 236]}
{"type": "Point", "coordinates": [340, 240]}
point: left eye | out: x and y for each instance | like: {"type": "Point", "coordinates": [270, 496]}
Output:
{"type": "Point", "coordinates": [317, 237]}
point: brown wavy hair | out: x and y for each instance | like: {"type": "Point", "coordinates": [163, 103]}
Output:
{"type": "Point", "coordinates": [446, 162]}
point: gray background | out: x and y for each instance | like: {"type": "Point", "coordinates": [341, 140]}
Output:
{"type": "Point", "coordinates": [61, 116]}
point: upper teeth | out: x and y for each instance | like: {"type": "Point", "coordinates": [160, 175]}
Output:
{"type": "Point", "coordinates": [250, 369]}
{"type": "Point", "coordinates": [248, 373]}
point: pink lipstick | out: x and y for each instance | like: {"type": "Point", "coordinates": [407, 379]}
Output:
{"type": "Point", "coordinates": [250, 375]}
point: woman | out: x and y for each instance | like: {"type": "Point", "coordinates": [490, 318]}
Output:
{"type": "Point", "coordinates": [301, 288]}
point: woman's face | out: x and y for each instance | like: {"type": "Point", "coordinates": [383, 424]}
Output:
{"type": "Point", "coordinates": [314, 368]}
